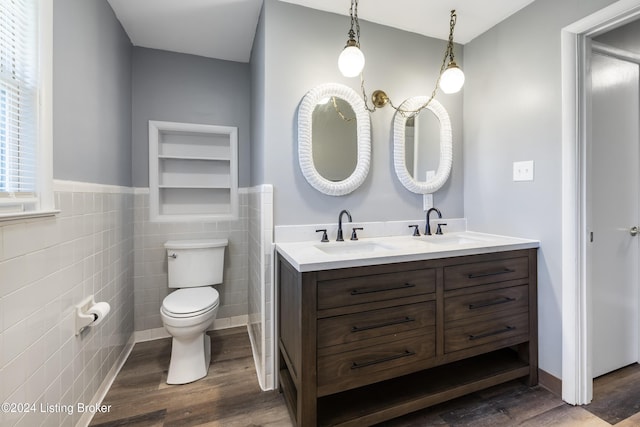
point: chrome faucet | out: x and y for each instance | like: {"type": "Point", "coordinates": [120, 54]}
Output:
{"type": "Point", "coordinates": [342, 212]}
{"type": "Point", "coordinates": [427, 228]}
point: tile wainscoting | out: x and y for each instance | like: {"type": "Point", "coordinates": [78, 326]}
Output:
{"type": "Point", "coordinates": [47, 265]}
{"type": "Point", "coordinates": [150, 267]}
{"type": "Point", "coordinates": [261, 323]}
{"type": "Point", "coordinates": [102, 243]}
{"type": "Point", "coordinates": [246, 293]}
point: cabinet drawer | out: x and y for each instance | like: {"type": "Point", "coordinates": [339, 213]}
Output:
{"type": "Point", "coordinates": [515, 298]}
{"type": "Point", "coordinates": [351, 369]}
{"type": "Point", "coordinates": [500, 331]}
{"type": "Point", "coordinates": [480, 273]}
{"type": "Point", "coordinates": [380, 287]}
{"type": "Point", "coordinates": [369, 324]}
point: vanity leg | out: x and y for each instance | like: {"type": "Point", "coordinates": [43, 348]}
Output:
{"type": "Point", "coordinates": [533, 317]}
{"type": "Point", "coordinates": [307, 391]}
{"type": "Point", "coordinates": [528, 352]}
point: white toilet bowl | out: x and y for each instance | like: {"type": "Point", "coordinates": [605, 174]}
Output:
{"type": "Point", "coordinates": [187, 314]}
{"type": "Point", "coordinates": [192, 267]}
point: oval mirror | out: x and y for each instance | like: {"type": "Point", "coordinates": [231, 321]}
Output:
{"type": "Point", "coordinates": [421, 143]}
{"type": "Point", "coordinates": [334, 141]}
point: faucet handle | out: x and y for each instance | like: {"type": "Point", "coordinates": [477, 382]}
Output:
{"type": "Point", "coordinates": [439, 229]}
{"type": "Point", "coordinates": [416, 232]}
{"type": "Point", "coordinates": [325, 238]}
{"type": "Point", "coordinates": [354, 236]}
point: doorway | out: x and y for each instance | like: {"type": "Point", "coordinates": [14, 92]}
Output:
{"type": "Point", "coordinates": [577, 298]}
{"type": "Point", "coordinates": [613, 160]}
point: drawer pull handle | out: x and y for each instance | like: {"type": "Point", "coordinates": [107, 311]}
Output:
{"type": "Point", "coordinates": [358, 365]}
{"type": "Point", "coordinates": [371, 291]}
{"type": "Point", "coordinates": [382, 325]}
{"type": "Point", "coordinates": [489, 334]}
{"type": "Point", "coordinates": [492, 273]}
{"type": "Point", "coordinates": [498, 301]}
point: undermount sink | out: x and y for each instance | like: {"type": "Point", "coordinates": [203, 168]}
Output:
{"type": "Point", "coordinates": [350, 247]}
{"type": "Point", "coordinates": [454, 239]}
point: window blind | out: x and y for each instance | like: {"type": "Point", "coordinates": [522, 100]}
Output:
{"type": "Point", "coordinates": [18, 100]}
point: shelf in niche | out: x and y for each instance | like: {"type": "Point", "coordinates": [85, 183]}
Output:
{"type": "Point", "coordinates": [195, 201]}
{"type": "Point", "coordinates": [196, 187]}
{"type": "Point", "coordinates": [192, 171]}
{"type": "Point", "coordinates": [204, 158]}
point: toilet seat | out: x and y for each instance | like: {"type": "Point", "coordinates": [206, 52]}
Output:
{"type": "Point", "coordinates": [190, 302]}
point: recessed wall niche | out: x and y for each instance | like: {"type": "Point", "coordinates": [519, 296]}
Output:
{"type": "Point", "coordinates": [193, 171]}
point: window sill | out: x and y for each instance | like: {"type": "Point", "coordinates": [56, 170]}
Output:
{"type": "Point", "coordinates": [13, 216]}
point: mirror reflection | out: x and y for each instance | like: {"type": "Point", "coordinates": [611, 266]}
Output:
{"type": "Point", "coordinates": [334, 133]}
{"type": "Point", "coordinates": [422, 144]}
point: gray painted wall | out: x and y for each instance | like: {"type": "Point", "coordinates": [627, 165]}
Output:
{"type": "Point", "coordinates": [258, 103]}
{"type": "Point", "coordinates": [92, 94]}
{"type": "Point", "coordinates": [513, 112]}
{"type": "Point", "coordinates": [301, 48]}
{"type": "Point", "coordinates": [187, 88]}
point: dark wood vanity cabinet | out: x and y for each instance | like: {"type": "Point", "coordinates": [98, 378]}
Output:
{"type": "Point", "coordinates": [362, 345]}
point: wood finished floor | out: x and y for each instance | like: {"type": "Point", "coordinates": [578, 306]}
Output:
{"type": "Point", "coordinates": [230, 396]}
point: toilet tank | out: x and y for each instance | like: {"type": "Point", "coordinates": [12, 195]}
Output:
{"type": "Point", "coordinates": [193, 263]}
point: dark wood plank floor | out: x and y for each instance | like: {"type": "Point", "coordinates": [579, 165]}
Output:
{"type": "Point", "coordinates": [230, 396]}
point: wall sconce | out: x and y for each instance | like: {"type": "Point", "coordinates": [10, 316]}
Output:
{"type": "Point", "coordinates": [351, 63]}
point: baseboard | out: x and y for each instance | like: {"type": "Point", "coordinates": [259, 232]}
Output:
{"type": "Point", "coordinates": [151, 334]}
{"type": "Point", "coordinates": [158, 333]}
{"type": "Point", "coordinates": [97, 399]}
{"type": "Point", "coordinates": [550, 382]}
{"type": "Point", "coordinates": [256, 359]}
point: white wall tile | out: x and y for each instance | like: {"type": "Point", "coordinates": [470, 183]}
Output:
{"type": "Point", "coordinates": [150, 265]}
{"type": "Point", "coordinates": [260, 236]}
{"type": "Point", "coordinates": [50, 266]}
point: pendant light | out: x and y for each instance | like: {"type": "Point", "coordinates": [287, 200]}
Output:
{"type": "Point", "coordinates": [351, 63]}
{"type": "Point", "coordinates": [351, 60]}
{"type": "Point", "coordinates": [452, 78]}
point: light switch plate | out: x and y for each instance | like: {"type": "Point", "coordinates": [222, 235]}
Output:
{"type": "Point", "coordinates": [523, 171]}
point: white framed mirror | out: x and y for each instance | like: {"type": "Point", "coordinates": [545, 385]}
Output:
{"type": "Point", "coordinates": [334, 139]}
{"type": "Point", "coordinates": [422, 143]}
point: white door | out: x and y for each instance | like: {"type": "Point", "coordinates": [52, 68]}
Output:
{"type": "Point", "coordinates": [613, 198]}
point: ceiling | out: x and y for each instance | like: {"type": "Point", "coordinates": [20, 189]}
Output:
{"type": "Point", "coordinates": [224, 29]}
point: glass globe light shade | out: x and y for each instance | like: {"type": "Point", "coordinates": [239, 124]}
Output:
{"type": "Point", "coordinates": [452, 79]}
{"type": "Point", "coordinates": [351, 61]}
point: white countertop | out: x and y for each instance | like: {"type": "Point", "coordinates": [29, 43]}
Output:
{"type": "Point", "coordinates": [315, 255]}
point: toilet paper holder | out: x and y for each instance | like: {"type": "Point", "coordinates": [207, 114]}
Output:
{"type": "Point", "coordinates": [90, 313]}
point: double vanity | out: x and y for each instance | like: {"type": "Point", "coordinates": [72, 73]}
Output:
{"type": "Point", "coordinates": [376, 328]}
{"type": "Point", "coordinates": [373, 328]}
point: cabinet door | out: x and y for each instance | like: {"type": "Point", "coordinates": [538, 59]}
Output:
{"type": "Point", "coordinates": [380, 287]}
{"type": "Point", "coordinates": [514, 298]}
{"type": "Point", "coordinates": [481, 273]}
{"type": "Point", "coordinates": [500, 332]}
{"type": "Point", "coordinates": [367, 365]}
{"type": "Point", "coordinates": [353, 328]}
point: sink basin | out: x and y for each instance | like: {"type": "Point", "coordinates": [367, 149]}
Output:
{"type": "Point", "coordinates": [454, 239]}
{"type": "Point", "coordinates": [349, 248]}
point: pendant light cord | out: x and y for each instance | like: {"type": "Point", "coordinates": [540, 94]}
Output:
{"type": "Point", "coordinates": [448, 54]}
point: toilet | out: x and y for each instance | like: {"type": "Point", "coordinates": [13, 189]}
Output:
{"type": "Point", "coordinates": [193, 267]}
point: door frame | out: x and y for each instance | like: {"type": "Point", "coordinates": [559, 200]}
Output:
{"type": "Point", "coordinates": [577, 379]}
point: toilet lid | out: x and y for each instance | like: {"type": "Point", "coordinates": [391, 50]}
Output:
{"type": "Point", "coordinates": [190, 301]}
